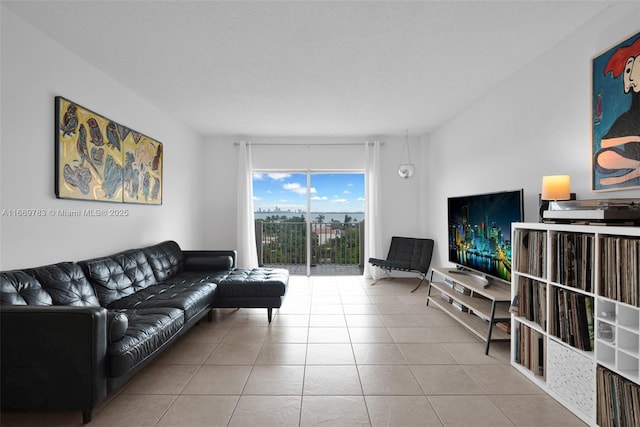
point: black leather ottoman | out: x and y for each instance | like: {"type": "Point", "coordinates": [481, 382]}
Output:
{"type": "Point", "coordinates": [253, 288]}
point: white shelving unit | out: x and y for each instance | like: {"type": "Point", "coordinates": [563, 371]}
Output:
{"type": "Point", "coordinates": [475, 307]}
{"type": "Point", "coordinates": [593, 269]}
{"type": "Point", "coordinates": [618, 343]}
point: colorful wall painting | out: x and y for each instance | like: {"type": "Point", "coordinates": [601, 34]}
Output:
{"type": "Point", "coordinates": [616, 117]}
{"type": "Point", "coordinates": [99, 159]}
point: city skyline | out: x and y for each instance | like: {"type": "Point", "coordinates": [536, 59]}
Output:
{"type": "Point", "coordinates": [330, 192]}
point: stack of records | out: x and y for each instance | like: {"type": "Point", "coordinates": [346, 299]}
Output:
{"type": "Point", "coordinates": [614, 211]}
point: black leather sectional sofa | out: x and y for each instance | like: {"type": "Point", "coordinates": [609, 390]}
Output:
{"type": "Point", "coordinates": [73, 332]}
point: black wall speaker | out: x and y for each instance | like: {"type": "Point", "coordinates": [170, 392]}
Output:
{"type": "Point", "coordinates": [543, 205]}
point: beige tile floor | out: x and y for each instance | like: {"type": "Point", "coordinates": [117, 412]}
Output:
{"type": "Point", "coordinates": [338, 353]}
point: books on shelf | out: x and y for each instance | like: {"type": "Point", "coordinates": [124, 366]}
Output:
{"type": "Point", "coordinates": [449, 300]}
{"type": "Point", "coordinates": [446, 297]}
{"type": "Point", "coordinates": [459, 306]}
{"type": "Point", "coordinates": [504, 327]}
{"type": "Point", "coordinates": [530, 250]}
{"type": "Point", "coordinates": [618, 399]}
{"type": "Point", "coordinates": [461, 289]}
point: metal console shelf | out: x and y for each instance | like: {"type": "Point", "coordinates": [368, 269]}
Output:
{"type": "Point", "coordinates": [477, 308]}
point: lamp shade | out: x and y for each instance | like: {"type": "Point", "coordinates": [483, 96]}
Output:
{"type": "Point", "coordinates": [406, 170]}
{"type": "Point", "coordinates": [556, 187]}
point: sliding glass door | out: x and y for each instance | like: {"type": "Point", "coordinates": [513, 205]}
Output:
{"type": "Point", "coordinates": [311, 223]}
{"type": "Point", "coordinates": [337, 221]}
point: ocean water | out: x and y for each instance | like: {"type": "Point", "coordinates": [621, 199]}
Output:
{"type": "Point", "coordinates": [328, 216]}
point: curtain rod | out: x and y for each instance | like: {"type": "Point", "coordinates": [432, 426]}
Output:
{"type": "Point", "coordinates": [309, 144]}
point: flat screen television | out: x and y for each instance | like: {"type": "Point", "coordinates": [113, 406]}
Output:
{"type": "Point", "coordinates": [480, 233]}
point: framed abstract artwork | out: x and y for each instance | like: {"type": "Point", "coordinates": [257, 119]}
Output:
{"type": "Point", "coordinates": [99, 159]}
{"type": "Point", "coordinates": [616, 117]}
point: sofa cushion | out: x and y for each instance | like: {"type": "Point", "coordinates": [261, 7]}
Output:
{"type": "Point", "coordinates": [66, 283]}
{"type": "Point", "coordinates": [136, 266]}
{"type": "Point", "coordinates": [119, 275]}
{"type": "Point", "coordinates": [150, 330]}
{"type": "Point", "coordinates": [189, 296]}
{"type": "Point", "coordinates": [117, 324]}
{"type": "Point", "coordinates": [166, 259]}
{"type": "Point", "coordinates": [20, 288]}
{"type": "Point", "coordinates": [108, 278]}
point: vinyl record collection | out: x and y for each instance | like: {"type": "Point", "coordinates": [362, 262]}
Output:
{"type": "Point", "coordinates": [531, 250]}
{"type": "Point", "coordinates": [573, 262]}
{"type": "Point", "coordinates": [620, 269]}
{"type": "Point", "coordinates": [532, 298]}
{"type": "Point", "coordinates": [618, 400]}
{"type": "Point", "coordinates": [571, 318]}
{"type": "Point", "coordinates": [530, 349]}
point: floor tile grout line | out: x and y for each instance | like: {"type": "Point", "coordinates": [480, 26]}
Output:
{"type": "Point", "coordinates": [306, 355]}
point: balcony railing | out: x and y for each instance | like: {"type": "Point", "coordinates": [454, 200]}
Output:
{"type": "Point", "coordinates": [335, 246]}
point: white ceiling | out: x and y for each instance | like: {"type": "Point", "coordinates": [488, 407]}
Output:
{"type": "Point", "coordinates": [305, 68]}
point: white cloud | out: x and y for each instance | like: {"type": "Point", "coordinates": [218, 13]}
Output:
{"type": "Point", "coordinates": [278, 176]}
{"type": "Point", "coordinates": [339, 201]}
{"type": "Point", "coordinates": [291, 186]}
{"type": "Point", "coordinates": [346, 192]}
{"type": "Point", "coordinates": [319, 198]}
{"type": "Point", "coordinates": [258, 176]}
{"type": "Point", "coordinates": [360, 199]}
{"type": "Point", "coordinates": [256, 198]}
{"type": "Point", "coordinates": [297, 188]}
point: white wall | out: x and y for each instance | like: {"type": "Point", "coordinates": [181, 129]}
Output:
{"type": "Point", "coordinates": [34, 70]}
{"type": "Point", "coordinates": [401, 198]}
{"type": "Point", "coordinates": [536, 123]}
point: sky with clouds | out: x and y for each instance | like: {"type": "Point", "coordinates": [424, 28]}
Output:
{"type": "Point", "coordinates": [330, 192]}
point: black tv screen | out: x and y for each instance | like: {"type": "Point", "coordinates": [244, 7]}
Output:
{"type": "Point", "coordinates": [480, 231]}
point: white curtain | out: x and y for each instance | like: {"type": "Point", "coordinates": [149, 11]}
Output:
{"type": "Point", "coordinates": [246, 233]}
{"type": "Point", "coordinates": [373, 221]}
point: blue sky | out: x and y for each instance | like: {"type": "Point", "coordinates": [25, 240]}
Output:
{"type": "Point", "coordinates": [330, 192]}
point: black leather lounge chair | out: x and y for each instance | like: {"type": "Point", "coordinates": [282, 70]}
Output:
{"type": "Point", "coordinates": [407, 254]}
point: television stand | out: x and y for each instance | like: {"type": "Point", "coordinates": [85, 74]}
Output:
{"type": "Point", "coordinates": [464, 296]}
{"type": "Point", "coordinates": [485, 282]}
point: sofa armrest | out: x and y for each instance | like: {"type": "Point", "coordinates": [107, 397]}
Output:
{"type": "Point", "coordinates": [53, 357]}
{"type": "Point", "coordinates": [219, 259]}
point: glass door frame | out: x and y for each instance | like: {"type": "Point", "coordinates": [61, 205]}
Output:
{"type": "Point", "coordinates": [308, 219]}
